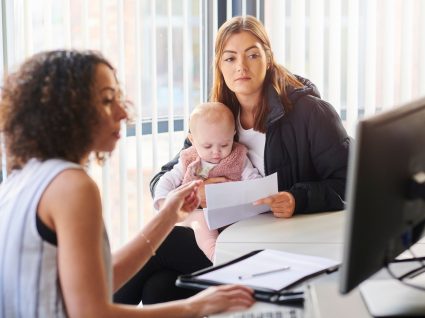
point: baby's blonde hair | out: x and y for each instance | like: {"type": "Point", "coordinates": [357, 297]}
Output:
{"type": "Point", "coordinates": [212, 112]}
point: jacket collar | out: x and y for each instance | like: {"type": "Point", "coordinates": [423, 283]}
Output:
{"type": "Point", "coordinates": [294, 94]}
{"type": "Point", "coordinates": [276, 110]}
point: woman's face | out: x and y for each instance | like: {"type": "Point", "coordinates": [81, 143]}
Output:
{"type": "Point", "coordinates": [244, 64]}
{"type": "Point", "coordinates": [106, 96]}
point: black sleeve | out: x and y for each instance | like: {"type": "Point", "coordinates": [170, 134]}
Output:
{"type": "Point", "coordinates": [329, 148]}
{"type": "Point", "coordinates": [167, 167]}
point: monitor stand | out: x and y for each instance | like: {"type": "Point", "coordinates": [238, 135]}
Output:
{"type": "Point", "coordinates": [390, 298]}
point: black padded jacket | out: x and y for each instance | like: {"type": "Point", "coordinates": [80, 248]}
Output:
{"type": "Point", "coordinates": [308, 147]}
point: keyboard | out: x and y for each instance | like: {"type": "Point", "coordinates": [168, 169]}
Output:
{"type": "Point", "coordinates": [284, 313]}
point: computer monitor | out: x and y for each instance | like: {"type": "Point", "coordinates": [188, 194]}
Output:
{"type": "Point", "coordinates": [384, 205]}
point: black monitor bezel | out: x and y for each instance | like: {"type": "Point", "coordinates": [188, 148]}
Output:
{"type": "Point", "coordinates": [372, 223]}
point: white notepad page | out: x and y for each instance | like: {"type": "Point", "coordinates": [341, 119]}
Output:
{"type": "Point", "coordinates": [299, 265]}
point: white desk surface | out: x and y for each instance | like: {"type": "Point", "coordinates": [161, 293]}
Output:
{"type": "Point", "coordinates": [319, 234]}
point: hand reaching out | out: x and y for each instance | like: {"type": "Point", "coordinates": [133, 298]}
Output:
{"type": "Point", "coordinates": [282, 204]}
{"type": "Point", "coordinates": [183, 199]}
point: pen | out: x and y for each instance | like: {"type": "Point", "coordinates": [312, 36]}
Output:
{"type": "Point", "coordinates": [264, 273]}
{"type": "Point", "coordinates": [288, 298]}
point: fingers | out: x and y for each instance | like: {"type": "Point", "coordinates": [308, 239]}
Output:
{"type": "Point", "coordinates": [268, 201]}
{"type": "Point", "coordinates": [201, 190]}
{"type": "Point", "coordinates": [215, 180]}
{"type": "Point", "coordinates": [191, 202]}
{"type": "Point", "coordinates": [282, 204]}
{"type": "Point", "coordinates": [187, 187]}
{"type": "Point", "coordinates": [201, 193]}
{"type": "Point", "coordinates": [183, 199]}
{"type": "Point", "coordinates": [236, 296]}
{"type": "Point", "coordinates": [185, 190]}
{"type": "Point", "coordinates": [283, 214]}
{"type": "Point", "coordinates": [229, 288]}
{"type": "Point", "coordinates": [239, 296]}
{"type": "Point", "coordinates": [222, 298]}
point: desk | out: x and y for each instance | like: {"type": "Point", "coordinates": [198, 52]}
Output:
{"type": "Point", "coordinates": [319, 234]}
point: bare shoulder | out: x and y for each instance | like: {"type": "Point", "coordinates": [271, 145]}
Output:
{"type": "Point", "coordinates": [72, 182]}
{"type": "Point", "coordinates": [71, 192]}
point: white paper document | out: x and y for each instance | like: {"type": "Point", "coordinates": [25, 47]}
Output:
{"type": "Point", "coordinates": [270, 269]}
{"type": "Point", "coordinates": [229, 202]}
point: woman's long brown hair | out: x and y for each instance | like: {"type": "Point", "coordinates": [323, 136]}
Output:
{"type": "Point", "coordinates": [276, 75]}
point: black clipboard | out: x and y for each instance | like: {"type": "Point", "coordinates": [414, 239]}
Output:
{"type": "Point", "coordinates": [282, 296]}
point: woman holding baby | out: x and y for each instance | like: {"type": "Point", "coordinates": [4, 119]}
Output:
{"type": "Point", "coordinates": [286, 127]}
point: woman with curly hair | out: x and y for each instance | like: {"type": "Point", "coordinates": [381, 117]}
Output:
{"type": "Point", "coordinates": [55, 260]}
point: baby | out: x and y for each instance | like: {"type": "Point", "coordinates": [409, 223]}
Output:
{"type": "Point", "coordinates": [212, 154]}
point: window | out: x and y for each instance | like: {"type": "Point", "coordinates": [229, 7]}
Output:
{"type": "Point", "coordinates": [364, 56]}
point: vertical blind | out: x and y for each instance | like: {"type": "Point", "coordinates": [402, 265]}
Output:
{"type": "Point", "coordinates": [365, 56]}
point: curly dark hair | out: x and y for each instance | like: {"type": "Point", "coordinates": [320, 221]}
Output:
{"type": "Point", "coordinates": [46, 108]}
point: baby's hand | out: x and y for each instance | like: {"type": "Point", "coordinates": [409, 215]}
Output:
{"type": "Point", "coordinates": [201, 189]}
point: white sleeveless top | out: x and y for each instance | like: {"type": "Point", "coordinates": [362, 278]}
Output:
{"type": "Point", "coordinates": [29, 280]}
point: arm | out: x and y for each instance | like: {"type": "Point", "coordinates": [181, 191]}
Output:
{"type": "Point", "coordinates": [71, 207]}
{"type": "Point", "coordinates": [324, 142]}
{"type": "Point", "coordinates": [329, 147]}
{"type": "Point", "coordinates": [167, 167]}
{"type": "Point", "coordinates": [169, 181]}
{"type": "Point", "coordinates": [130, 258]}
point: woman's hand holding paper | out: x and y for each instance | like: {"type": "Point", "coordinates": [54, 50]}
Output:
{"type": "Point", "coordinates": [282, 204]}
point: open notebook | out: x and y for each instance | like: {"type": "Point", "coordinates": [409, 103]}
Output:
{"type": "Point", "coordinates": [270, 273]}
